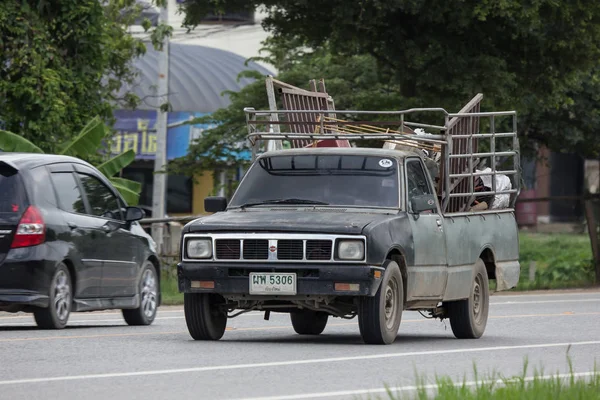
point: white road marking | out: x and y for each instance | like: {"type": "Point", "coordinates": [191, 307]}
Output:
{"type": "Point", "coordinates": [291, 362]}
{"type": "Point", "coordinates": [84, 321]}
{"type": "Point", "coordinates": [101, 314]}
{"type": "Point", "coordinates": [547, 301]}
{"type": "Point", "coordinates": [396, 389]}
{"type": "Point", "coordinates": [553, 294]}
{"type": "Point", "coordinates": [260, 314]}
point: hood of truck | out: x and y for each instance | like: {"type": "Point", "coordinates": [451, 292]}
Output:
{"type": "Point", "coordinates": [301, 221]}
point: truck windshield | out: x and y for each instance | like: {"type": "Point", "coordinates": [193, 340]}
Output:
{"type": "Point", "coordinates": [337, 180]}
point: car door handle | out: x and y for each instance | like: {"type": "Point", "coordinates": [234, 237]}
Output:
{"type": "Point", "coordinates": [439, 222]}
{"type": "Point", "coordinates": [72, 225]}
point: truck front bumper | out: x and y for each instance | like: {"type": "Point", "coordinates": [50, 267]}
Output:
{"type": "Point", "coordinates": [313, 279]}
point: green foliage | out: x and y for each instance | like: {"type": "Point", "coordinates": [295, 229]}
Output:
{"type": "Point", "coordinates": [113, 166]}
{"type": "Point", "coordinates": [85, 145]}
{"type": "Point", "coordinates": [168, 286]}
{"type": "Point", "coordinates": [13, 143]}
{"type": "Point", "coordinates": [495, 386]}
{"type": "Point", "coordinates": [358, 87]}
{"type": "Point", "coordinates": [87, 141]}
{"type": "Point", "coordinates": [63, 62]}
{"type": "Point", "coordinates": [562, 260]}
{"type": "Point", "coordinates": [539, 57]}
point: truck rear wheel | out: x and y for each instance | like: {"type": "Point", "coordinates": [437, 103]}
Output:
{"type": "Point", "coordinates": [203, 315]}
{"type": "Point", "coordinates": [468, 317]}
{"type": "Point", "coordinates": [379, 316]}
{"type": "Point", "coordinates": [308, 322]}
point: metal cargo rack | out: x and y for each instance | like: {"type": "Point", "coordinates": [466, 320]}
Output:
{"type": "Point", "coordinates": [456, 142]}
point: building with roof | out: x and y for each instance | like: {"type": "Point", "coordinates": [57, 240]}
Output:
{"type": "Point", "coordinates": [198, 78]}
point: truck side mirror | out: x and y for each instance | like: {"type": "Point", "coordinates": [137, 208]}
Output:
{"type": "Point", "coordinates": [215, 204]}
{"type": "Point", "coordinates": [423, 202]}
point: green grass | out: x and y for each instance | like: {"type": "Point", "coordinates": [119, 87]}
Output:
{"type": "Point", "coordinates": [170, 292]}
{"type": "Point", "coordinates": [581, 386]}
{"type": "Point", "coordinates": [562, 261]}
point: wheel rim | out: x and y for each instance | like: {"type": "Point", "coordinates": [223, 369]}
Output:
{"type": "Point", "coordinates": [391, 303]}
{"type": "Point", "coordinates": [148, 293]}
{"type": "Point", "coordinates": [478, 298]}
{"type": "Point", "coordinates": [62, 295]}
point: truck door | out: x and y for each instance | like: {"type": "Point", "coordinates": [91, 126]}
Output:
{"type": "Point", "coordinates": [427, 277]}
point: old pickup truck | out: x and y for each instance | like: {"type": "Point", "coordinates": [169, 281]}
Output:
{"type": "Point", "coordinates": [346, 232]}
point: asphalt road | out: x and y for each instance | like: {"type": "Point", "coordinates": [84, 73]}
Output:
{"type": "Point", "coordinates": [98, 357]}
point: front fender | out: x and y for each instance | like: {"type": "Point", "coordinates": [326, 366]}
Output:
{"type": "Point", "coordinates": [394, 233]}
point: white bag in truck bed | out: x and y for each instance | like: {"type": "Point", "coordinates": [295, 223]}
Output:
{"type": "Point", "coordinates": [502, 183]}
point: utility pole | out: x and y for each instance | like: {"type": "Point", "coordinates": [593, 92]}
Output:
{"type": "Point", "coordinates": [160, 161]}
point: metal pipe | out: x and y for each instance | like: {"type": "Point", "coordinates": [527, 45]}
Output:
{"type": "Point", "coordinates": [508, 172]}
{"type": "Point", "coordinates": [266, 136]}
{"type": "Point", "coordinates": [500, 153]}
{"type": "Point", "coordinates": [483, 193]}
{"type": "Point", "coordinates": [493, 151]}
{"type": "Point", "coordinates": [446, 189]}
{"type": "Point", "coordinates": [485, 135]}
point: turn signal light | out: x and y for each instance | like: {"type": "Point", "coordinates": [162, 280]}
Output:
{"type": "Point", "coordinates": [203, 284]}
{"type": "Point", "coordinates": [347, 287]}
{"type": "Point", "coordinates": [31, 230]}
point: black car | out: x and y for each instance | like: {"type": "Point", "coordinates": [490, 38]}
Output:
{"type": "Point", "coordinates": [68, 243]}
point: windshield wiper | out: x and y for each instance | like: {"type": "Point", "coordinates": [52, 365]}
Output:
{"type": "Point", "coordinates": [284, 201]}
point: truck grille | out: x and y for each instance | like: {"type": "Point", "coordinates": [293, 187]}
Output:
{"type": "Point", "coordinates": [256, 249]}
{"type": "Point", "coordinates": [290, 250]}
{"type": "Point", "coordinates": [287, 249]}
{"type": "Point", "coordinates": [318, 249]}
{"type": "Point", "coordinates": [228, 249]}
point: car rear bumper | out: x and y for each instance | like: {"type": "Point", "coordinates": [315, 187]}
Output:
{"type": "Point", "coordinates": [11, 298]}
{"type": "Point", "coordinates": [314, 279]}
{"type": "Point", "coordinates": [25, 276]}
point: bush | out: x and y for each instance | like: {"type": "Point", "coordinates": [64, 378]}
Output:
{"type": "Point", "coordinates": [562, 260]}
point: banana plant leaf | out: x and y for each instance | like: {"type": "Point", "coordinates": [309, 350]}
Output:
{"type": "Point", "coordinates": [112, 167]}
{"type": "Point", "coordinates": [131, 198]}
{"type": "Point", "coordinates": [11, 142]}
{"type": "Point", "coordinates": [88, 140]}
{"type": "Point", "coordinates": [129, 184]}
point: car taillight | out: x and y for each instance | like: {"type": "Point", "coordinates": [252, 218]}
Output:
{"type": "Point", "coordinates": [31, 230]}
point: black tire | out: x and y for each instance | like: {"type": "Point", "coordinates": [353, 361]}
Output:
{"type": "Point", "coordinates": [468, 317]}
{"type": "Point", "coordinates": [60, 295]}
{"type": "Point", "coordinates": [379, 316]}
{"type": "Point", "coordinates": [308, 322]}
{"type": "Point", "coordinates": [148, 290]}
{"type": "Point", "coordinates": [203, 316]}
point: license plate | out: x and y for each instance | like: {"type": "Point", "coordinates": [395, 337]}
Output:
{"type": "Point", "coordinates": [272, 283]}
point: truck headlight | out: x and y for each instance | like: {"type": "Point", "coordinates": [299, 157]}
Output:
{"type": "Point", "coordinates": [199, 248]}
{"type": "Point", "coordinates": [351, 250]}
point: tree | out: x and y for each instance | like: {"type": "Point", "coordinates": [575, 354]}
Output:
{"type": "Point", "coordinates": [88, 141]}
{"type": "Point", "coordinates": [354, 82]}
{"type": "Point", "coordinates": [62, 62]}
{"type": "Point", "coordinates": [535, 56]}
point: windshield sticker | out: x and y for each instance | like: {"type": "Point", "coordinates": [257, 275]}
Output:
{"type": "Point", "coordinates": [385, 163]}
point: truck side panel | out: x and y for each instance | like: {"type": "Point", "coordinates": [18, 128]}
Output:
{"type": "Point", "coordinates": [468, 237]}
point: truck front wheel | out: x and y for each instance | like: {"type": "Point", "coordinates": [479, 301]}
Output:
{"type": "Point", "coordinates": [468, 317]}
{"type": "Point", "coordinates": [379, 316]}
{"type": "Point", "coordinates": [308, 322]}
{"type": "Point", "coordinates": [204, 315]}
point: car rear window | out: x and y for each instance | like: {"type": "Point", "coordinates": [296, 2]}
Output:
{"type": "Point", "coordinates": [13, 198]}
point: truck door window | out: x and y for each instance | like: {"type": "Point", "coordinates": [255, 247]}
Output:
{"type": "Point", "coordinates": [417, 184]}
